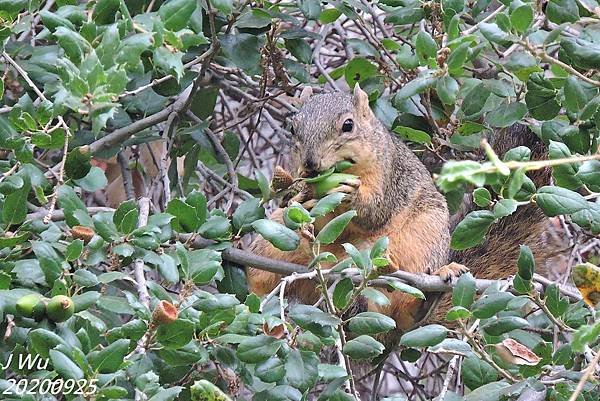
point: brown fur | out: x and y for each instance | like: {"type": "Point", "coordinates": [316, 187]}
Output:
{"type": "Point", "coordinates": [396, 198]}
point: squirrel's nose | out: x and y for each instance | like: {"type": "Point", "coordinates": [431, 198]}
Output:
{"type": "Point", "coordinates": [311, 167]}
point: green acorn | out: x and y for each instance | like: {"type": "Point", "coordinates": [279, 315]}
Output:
{"type": "Point", "coordinates": [332, 181]}
{"type": "Point", "coordinates": [31, 305]}
{"type": "Point", "coordinates": [343, 165]}
{"type": "Point", "coordinates": [60, 308]}
{"type": "Point", "coordinates": [203, 390]}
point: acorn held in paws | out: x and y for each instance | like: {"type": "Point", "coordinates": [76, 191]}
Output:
{"type": "Point", "coordinates": [60, 308]}
{"type": "Point", "coordinates": [330, 182]}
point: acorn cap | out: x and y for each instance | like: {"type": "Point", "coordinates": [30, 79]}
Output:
{"type": "Point", "coordinates": [164, 313]}
{"type": "Point", "coordinates": [281, 179]}
{"type": "Point", "coordinates": [84, 233]}
{"type": "Point", "coordinates": [511, 351]}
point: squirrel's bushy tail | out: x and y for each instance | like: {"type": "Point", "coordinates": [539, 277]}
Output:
{"type": "Point", "coordinates": [496, 257]}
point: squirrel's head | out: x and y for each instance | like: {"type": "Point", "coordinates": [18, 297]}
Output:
{"type": "Point", "coordinates": [332, 127]}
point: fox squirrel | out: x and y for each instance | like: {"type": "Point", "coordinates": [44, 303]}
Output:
{"type": "Point", "coordinates": [394, 196]}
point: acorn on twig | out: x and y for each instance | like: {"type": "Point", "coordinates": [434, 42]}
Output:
{"type": "Point", "coordinates": [164, 313]}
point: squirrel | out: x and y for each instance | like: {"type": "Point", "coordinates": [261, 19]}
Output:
{"type": "Point", "coordinates": [394, 196]}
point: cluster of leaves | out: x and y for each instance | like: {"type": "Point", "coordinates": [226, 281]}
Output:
{"type": "Point", "coordinates": [436, 74]}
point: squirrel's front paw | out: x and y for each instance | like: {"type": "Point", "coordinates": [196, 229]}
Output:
{"type": "Point", "coordinates": [348, 187]}
{"type": "Point", "coordinates": [450, 271]}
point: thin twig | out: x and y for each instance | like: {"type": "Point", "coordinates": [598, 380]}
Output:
{"type": "Point", "coordinates": [586, 376]}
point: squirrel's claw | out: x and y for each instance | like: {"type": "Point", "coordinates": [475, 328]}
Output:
{"type": "Point", "coordinates": [349, 187]}
{"type": "Point", "coordinates": [345, 189]}
{"type": "Point", "coordinates": [450, 271]}
{"type": "Point", "coordinates": [353, 182]}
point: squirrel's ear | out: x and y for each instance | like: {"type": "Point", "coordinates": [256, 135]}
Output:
{"type": "Point", "coordinates": [361, 100]}
{"type": "Point", "coordinates": [305, 94]}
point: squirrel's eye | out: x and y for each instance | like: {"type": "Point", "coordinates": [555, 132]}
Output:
{"type": "Point", "coordinates": [348, 125]}
{"type": "Point", "coordinates": [292, 130]}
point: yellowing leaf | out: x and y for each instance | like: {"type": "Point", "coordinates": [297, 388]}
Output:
{"type": "Point", "coordinates": [587, 280]}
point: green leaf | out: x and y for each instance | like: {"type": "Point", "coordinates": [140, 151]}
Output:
{"type": "Point", "coordinates": [494, 34]}
{"type": "Point", "coordinates": [506, 114]}
{"type": "Point", "coordinates": [526, 263]}
{"type": "Point", "coordinates": [457, 58]}
{"type": "Point", "coordinates": [168, 62]}
{"type": "Point", "coordinates": [464, 292]}
{"type": "Point", "coordinates": [482, 197]}
{"type": "Point", "coordinates": [85, 278]}
{"type": "Point", "coordinates": [105, 11]}
{"type": "Point", "coordinates": [472, 229]}
{"type": "Point", "coordinates": [43, 341]}
{"type": "Point", "coordinates": [310, 8]}
{"type": "Point", "coordinates": [555, 201]}
{"type": "Point", "coordinates": [521, 18]}
{"type": "Point", "coordinates": [359, 69]}
{"type": "Point", "coordinates": [457, 312]}
{"type": "Point", "coordinates": [414, 87]}
{"type": "Point", "coordinates": [185, 219]}
{"type": "Point", "coordinates": [335, 227]}
{"type": "Point", "coordinates": [342, 293]}
{"type": "Point", "coordinates": [176, 14]}
{"type": "Point", "coordinates": [14, 210]}
{"type": "Point", "coordinates": [556, 303]}
{"type": "Point", "coordinates": [327, 204]}
{"type": "Point", "coordinates": [505, 207]}
{"type": "Point", "coordinates": [475, 99]}
{"type": "Point", "coordinates": [74, 250]}
{"type": "Point", "coordinates": [243, 50]}
{"type": "Point", "coordinates": [216, 227]}
{"type": "Point", "coordinates": [277, 234]}
{"type": "Point", "coordinates": [329, 15]}
{"type": "Point", "coordinates": [589, 174]}
{"type": "Point", "coordinates": [301, 369]}
{"type": "Point", "coordinates": [109, 359]}
{"type": "Point", "coordinates": [175, 335]}
{"type": "Point", "coordinates": [246, 213]}
{"type": "Point", "coordinates": [198, 200]}
{"type": "Point", "coordinates": [564, 174]}
{"type": "Point", "coordinates": [258, 349]}
{"type": "Point", "coordinates": [363, 347]}
{"type": "Point", "coordinates": [425, 44]}
{"type": "Point", "coordinates": [447, 89]}
{"type": "Point", "coordinates": [64, 366]}
{"type": "Point", "coordinates": [405, 288]}
{"type": "Point", "coordinates": [74, 45]}
{"type": "Point", "coordinates": [425, 336]}
{"type": "Point", "coordinates": [488, 305]}
{"type": "Point", "coordinates": [413, 135]}
{"type": "Point", "coordinates": [53, 21]}
{"type": "Point", "coordinates": [541, 98]}
{"type": "Point", "coordinates": [575, 97]}
{"type": "Point", "coordinates": [559, 11]}
{"type": "Point", "coordinates": [77, 164]}
{"type": "Point", "coordinates": [71, 204]}
{"type": "Point", "coordinates": [476, 372]}
{"type": "Point", "coordinates": [504, 324]}
{"type": "Point", "coordinates": [371, 323]}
